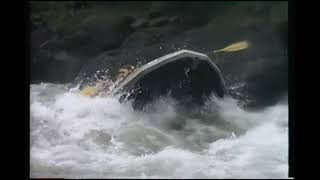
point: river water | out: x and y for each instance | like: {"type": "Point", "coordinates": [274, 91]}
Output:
{"type": "Point", "coordinates": [72, 136]}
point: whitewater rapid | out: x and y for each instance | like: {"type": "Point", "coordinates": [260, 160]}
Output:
{"type": "Point", "coordinates": [72, 136]}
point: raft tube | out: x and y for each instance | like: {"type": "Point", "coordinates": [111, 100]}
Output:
{"type": "Point", "coordinates": [185, 75]}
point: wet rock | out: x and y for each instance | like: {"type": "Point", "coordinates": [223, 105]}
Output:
{"type": "Point", "coordinates": [59, 58]}
{"type": "Point", "coordinates": [53, 45]}
{"type": "Point", "coordinates": [40, 35]}
{"type": "Point", "coordinates": [106, 43]}
{"type": "Point", "coordinates": [138, 39]}
{"type": "Point", "coordinates": [98, 36]}
{"type": "Point", "coordinates": [175, 19]}
{"type": "Point", "coordinates": [113, 52]}
{"type": "Point", "coordinates": [139, 23]}
{"type": "Point", "coordinates": [128, 19]}
{"type": "Point", "coordinates": [152, 35]}
{"type": "Point", "coordinates": [154, 14]}
{"type": "Point", "coordinates": [58, 67]}
{"type": "Point", "coordinates": [93, 36]}
{"type": "Point", "coordinates": [158, 22]}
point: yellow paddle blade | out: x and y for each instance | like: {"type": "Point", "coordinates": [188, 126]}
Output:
{"type": "Point", "coordinates": [234, 47]}
{"type": "Point", "coordinates": [88, 91]}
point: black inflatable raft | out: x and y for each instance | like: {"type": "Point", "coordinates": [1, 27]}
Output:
{"type": "Point", "coordinates": [187, 76]}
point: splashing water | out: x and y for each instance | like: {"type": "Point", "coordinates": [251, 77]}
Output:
{"type": "Point", "coordinates": [72, 136]}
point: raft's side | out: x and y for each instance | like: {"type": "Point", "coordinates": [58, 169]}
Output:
{"type": "Point", "coordinates": [151, 66]}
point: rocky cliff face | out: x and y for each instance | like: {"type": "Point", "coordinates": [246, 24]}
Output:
{"type": "Point", "coordinates": [71, 41]}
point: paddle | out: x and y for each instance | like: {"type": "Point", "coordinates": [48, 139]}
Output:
{"type": "Point", "coordinates": [234, 47]}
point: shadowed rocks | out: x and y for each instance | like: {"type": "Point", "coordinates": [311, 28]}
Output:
{"type": "Point", "coordinates": [100, 42]}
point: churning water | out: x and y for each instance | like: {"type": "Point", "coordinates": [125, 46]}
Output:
{"type": "Point", "coordinates": [73, 136]}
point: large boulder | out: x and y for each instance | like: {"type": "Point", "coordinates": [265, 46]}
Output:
{"type": "Point", "coordinates": [97, 34]}
{"type": "Point", "coordinates": [106, 42]}
{"type": "Point", "coordinates": [160, 21]}
{"type": "Point", "coordinates": [59, 67]}
{"type": "Point", "coordinates": [92, 37]}
{"type": "Point", "coordinates": [153, 35]}
{"type": "Point", "coordinates": [139, 23]}
{"type": "Point", "coordinates": [259, 67]}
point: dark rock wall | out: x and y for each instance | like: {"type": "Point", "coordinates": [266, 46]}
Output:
{"type": "Point", "coordinates": [70, 41]}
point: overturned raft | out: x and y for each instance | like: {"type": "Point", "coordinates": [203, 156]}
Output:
{"type": "Point", "coordinates": [187, 76]}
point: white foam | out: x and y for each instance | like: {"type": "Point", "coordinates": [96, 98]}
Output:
{"type": "Point", "coordinates": [79, 137]}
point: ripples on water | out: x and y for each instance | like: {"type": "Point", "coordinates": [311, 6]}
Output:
{"type": "Point", "coordinates": [73, 136]}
